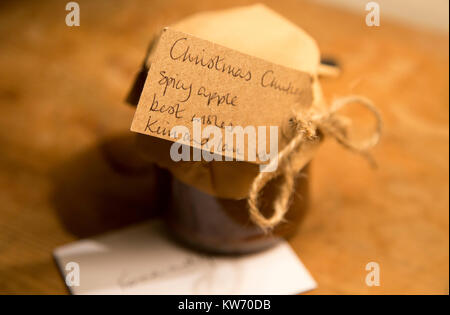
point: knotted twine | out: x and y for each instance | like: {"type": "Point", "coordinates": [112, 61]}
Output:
{"type": "Point", "coordinates": [307, 128]}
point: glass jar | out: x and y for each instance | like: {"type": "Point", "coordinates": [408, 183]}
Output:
{"type": "Point", "coordinates": [223, 226]}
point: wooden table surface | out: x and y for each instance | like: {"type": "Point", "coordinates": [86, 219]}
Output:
{"type": "Point", "coordinates": [61, 99]}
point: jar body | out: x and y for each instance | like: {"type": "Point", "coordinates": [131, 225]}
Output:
{"type": "Point", "coordinates": [223, 226]}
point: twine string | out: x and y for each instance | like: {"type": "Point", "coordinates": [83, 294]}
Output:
{"type": "Point", "coordinates": [307, 126]}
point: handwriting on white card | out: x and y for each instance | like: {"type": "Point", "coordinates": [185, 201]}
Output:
{"type": "Point", "coordinates": [144, 260]}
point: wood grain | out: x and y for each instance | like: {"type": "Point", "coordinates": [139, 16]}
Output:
{"type": "Point", "coordinates": [61, 103]}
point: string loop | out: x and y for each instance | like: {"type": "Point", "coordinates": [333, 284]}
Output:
{"type": "Point", "coordinates": [307, 127]}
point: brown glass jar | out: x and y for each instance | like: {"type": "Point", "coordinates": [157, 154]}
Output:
{"type": "Point", "coordinates": [218, 225]}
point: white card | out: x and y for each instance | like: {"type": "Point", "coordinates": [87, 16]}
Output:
{"type": "Point", "coordinates": [143, 260]}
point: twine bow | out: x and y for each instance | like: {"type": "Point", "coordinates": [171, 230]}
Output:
{"type": "Point", "coordinates": [329, 123]}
